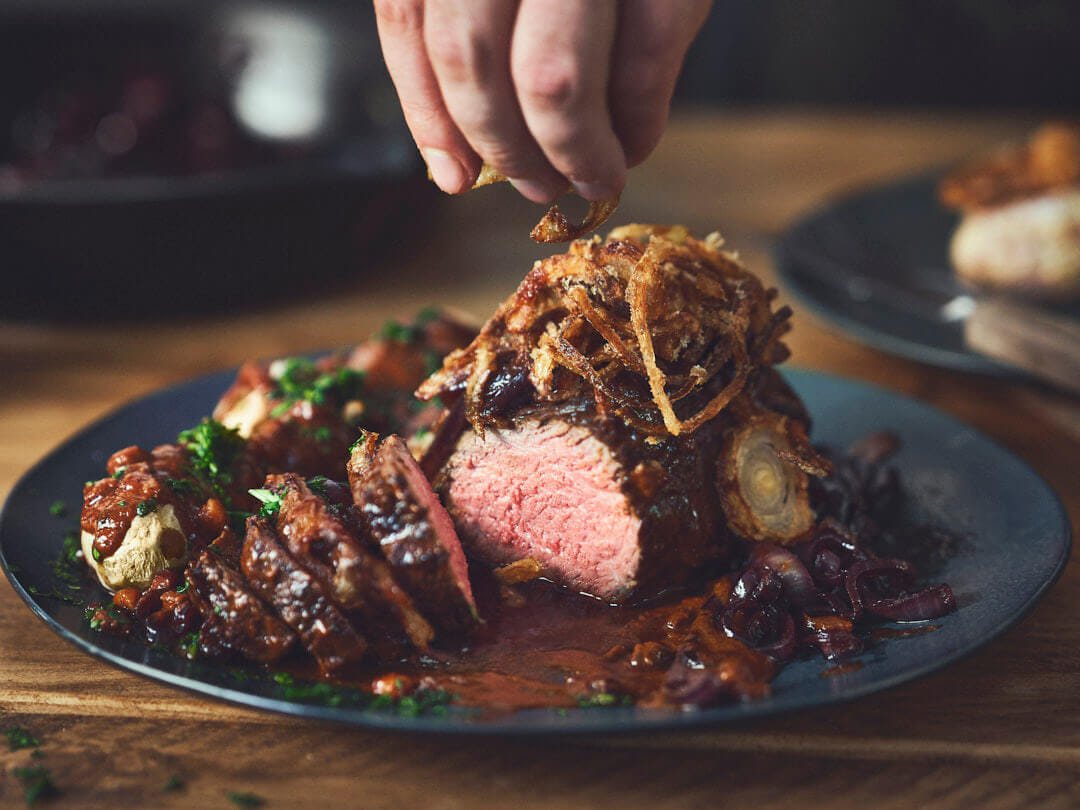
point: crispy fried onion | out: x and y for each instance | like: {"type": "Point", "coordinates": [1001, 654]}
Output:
{"type": "Point", "coordinates": [1050, 159]}
{"type": "Point", "coordinates": [662, 329]}
{"type": "Point", "coordinates": [554, 226]}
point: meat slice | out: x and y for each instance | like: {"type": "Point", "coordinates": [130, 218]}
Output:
{"type": "Point", "coordinates": [235, 619]}
{"type": "Point", "coordinates": [319, 536]}
{"type": "Point", "coordinates": [404, 516]}
{"type": "Point", "coordinates": [603, 510]}
{"type": "Point", "coordinates": [299, 598]}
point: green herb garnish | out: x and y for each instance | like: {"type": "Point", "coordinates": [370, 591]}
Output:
{"type": "Point", "coordinates": [189, 645]}
{"type": "Point", "coordinates": [604, 699]}
{"type": "Point", "coordinates": [182, 488]}
{"type": "Point", "coordinates": [37, 783]}
{"type": "Point", "coordinates": [67, 566]}
{"type": "Point", "coordinates": [146, 507]}
{"type": "Point", "coordinates": [271, 502]}
{"type": "Point", "coordinates": [245, 799]}
{"type": "Point", "coordinates": [19, 737]}
{"type": "Point", "coordinates": [173, 783]}
{"type": "Point", "coordinates": [58, 509]}
{"type": "Point", "coordinates": [120, 472]}
{"type": "Point", "coordinates": [301, 380]}
{"type": "Point", "coordinates": [213, 448]}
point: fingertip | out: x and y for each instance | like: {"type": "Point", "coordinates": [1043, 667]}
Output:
{"type": "Point", "coordinates": [449, 173]}
{"type": "Point", "coordinates": [536, 192]}
{"type": "Point", "coordinates": [595, 191]}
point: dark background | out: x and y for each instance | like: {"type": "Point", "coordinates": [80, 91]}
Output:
{"type": "Point", "coordinates": [978, 53]}
{"type": "Point", "coordinates": [82, 247]}
{"type": "Point", "coordinates": [970, 53]}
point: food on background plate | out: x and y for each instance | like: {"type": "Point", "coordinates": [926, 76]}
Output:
{"type": "Point", "coordinates": [604, 496]}
{"type": "Point", "coordinates": [1020, 226]}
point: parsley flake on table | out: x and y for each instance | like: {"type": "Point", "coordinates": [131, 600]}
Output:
{"type": "Point", "coordinates": [245, 799]}
{"type": "Point", "coordinates": [19, 738]}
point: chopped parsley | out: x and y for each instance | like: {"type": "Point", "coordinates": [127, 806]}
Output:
{"type": "Point", "coordinates": [301, 380]}
{"type": "Point", "coordinates": [213, 448]}
{"type": "Point", "coordinates": [183, 586]}
{"type": "Point", "coordinates": [604, 699]}
{"type": "Point", "coordinates": [271, 502]}
{"type": "Point", "coordinates": [320, 434]}
{"type": "Point", "coordinates": [189, 645]}
{"type": "Point", "coordinates": [422, 701]}
{"type": "Point", "coordinates": [95, 554]}
{"type": "Point", "coordinates": [120, 472]}
{"type": "Point", "coordinates": [408, 333]}
{"type": "Point", "coordinates": [318, 485]}
{"type": "Point", "coordinates": [146, 507]}
{"type": "Point", "coordinates": [58, 509]}
{"type": "Point", "coordinates": [173, 783]}
{"type": "Point", "coordinates": [245, 799]}
{"type": "Point", "coordinates": [182, 487]}
{"type": "Point", "coordinates": [19, 738]}
{"type": "Point", "coordinates": [67, 566]}
{"type": "Point", "coordinates": [37, 783]}
{"type": "Point", "coordinates": [93, 612]}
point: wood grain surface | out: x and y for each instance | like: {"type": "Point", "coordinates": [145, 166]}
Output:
{"type": "Point", "coordinates": [1000, 729]}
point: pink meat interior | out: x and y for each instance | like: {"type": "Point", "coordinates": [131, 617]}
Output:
{"type": "Point", "coordinates": [442, 524]}
{"type": "Point", "coordinates": [547, 491]}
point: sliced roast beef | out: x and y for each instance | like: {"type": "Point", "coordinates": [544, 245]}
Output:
{"type": "Point", "coordinates": [319, 535]}
{"type": "Point", "coordinates": [235, 620]}
{"type": "Point", "coordinates": [602, 509]}
{"type": "Point", "coordinates": [404, 516]}
{"type": "Point", "coordinates": [299, 598]}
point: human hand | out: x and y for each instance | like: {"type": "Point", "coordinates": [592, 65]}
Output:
{"type": "Point", "coordinates": [549, 93]}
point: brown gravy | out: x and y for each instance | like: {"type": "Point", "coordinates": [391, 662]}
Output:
{"type": "Point", "coordinates": [543, 646]}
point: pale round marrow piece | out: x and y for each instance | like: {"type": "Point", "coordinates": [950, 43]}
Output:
{"type": "Point", "coordinates": [153, 543]}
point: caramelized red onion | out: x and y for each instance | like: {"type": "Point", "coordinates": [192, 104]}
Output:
{"type": "Point", "coordinates": [798, 585]}
{"type": "Point", "coordinates": [929, 603]}
{"type": "Point", "coordinates": [783, 601]}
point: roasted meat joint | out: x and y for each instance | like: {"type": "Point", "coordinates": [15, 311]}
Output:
{"type": "Point", "coordinates": [604, 495]}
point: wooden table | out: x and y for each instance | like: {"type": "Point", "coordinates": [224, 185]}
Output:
{"type": "Point", "coordinates": [1000, 729]}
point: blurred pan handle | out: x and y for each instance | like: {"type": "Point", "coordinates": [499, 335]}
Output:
{"type": "Point", "coordinates": [1044, 344]}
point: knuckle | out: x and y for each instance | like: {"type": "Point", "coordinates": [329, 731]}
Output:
{"type": "Point", "coordinates": [464, 59]}
{"type": "Point", "coordinates": [644, 83]}
{"type": "Point", "coordinates": [549, 84]}
{"type": "Point", "coordinates": [403, 14]}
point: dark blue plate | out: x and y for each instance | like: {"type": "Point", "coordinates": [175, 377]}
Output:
{"type": "Point", "coordinates": [959, 479]}
{"type": "Point", "coordinates": [875, 264]}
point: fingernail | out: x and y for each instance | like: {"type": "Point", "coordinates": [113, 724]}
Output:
{"type": "Point", "coordinates": [594, 191]}
{"type": "Point", "coordinates": [446, 171]}
{"type": "Point", "coordinates": [533, 191]}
